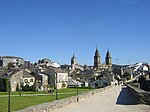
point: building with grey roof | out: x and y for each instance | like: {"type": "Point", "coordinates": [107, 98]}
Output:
{"type": "Point", "coordinates": [16, 61]}
{"type": "Point", "coordinates": [59, 75]}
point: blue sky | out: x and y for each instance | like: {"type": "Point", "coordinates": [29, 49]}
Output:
{"type": "Point", "coordinates": [55, 29]}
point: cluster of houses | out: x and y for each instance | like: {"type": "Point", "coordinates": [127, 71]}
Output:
{"type": "Point", "coordinates": [46, 74]}
{"type": "Point", "coordinates": [139, 74]}
{"type": "Point", "coordinates": [38, 77]}
{"type": "Point", "coordinates": [27, 79]}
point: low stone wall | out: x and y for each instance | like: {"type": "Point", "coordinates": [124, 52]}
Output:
{"type": "Point", "coordinates": [49, 107]}
{"type": "Point", "coordinates": [142, 96]}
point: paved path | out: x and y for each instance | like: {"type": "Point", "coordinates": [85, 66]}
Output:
{"type": "Point", "coordinates": [115, 99]}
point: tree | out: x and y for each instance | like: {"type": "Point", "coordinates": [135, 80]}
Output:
{"type": "Point", "coordinates": [127, 75]}
{"type": "Point", "coordinates": [10, 65]}
{"type": "Point", "coordinates": [63, 85]}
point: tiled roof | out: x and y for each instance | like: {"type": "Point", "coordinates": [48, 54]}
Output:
{"type": "Point", "coordinates": [53, 70]}
{"type": "Point", "coordinates": [26, 74]}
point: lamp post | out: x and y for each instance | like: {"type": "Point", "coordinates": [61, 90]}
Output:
{"type": "Point", "coordinates": [20, 88]}
{"type": "Point", "coordinates": [7, 76]}
{"type": "Point", "coordinates": [77, 91]}
{"type": "Point", "coordinates": [56, 87]}
{"type": "Point", "coordinates": [9, 89]}
{"type": "Point", "coordinates": [9, 93]}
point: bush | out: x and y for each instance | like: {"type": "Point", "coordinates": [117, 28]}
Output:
{"type": "Point", "coordinates": [63, 84]}
{"type": "Point", "coordinates": [28, 88]}
{"type": "Point", "coordinates": [81, 87]}
{"type": "Point", "coordinates": [3, 84]}
{"type": "Point", "coordinates": [127, 75]}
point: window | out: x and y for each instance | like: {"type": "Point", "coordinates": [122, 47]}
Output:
{"type": "Point", "coordinates": [31, 80]}
{"type": "Point", "coordinates": [26, 80]}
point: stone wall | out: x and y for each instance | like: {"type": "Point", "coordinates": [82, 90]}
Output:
{"type": "Point", "coordinates": [142, 96]}
{"type": "Point", "coordinates": [49, 107]}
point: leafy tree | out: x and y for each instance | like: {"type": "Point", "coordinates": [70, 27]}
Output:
{"type": "Point", "coordinates": [127, 75]}
{"type": "Point", "coordinates": [10, 65]}
{"type": "Point", "coordinates": [63, 84]}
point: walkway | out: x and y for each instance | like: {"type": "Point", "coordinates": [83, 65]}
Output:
{"type": "Point", "coordinates": [115, 99]}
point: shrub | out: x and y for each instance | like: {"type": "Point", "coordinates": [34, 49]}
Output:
{"type": "Point", "coordinates": [28, 88]}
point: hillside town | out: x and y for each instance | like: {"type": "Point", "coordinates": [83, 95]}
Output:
{"type": "Point", "coordinates": [74, 56]}
{"type": "Point", "coordinates": [45, 75]}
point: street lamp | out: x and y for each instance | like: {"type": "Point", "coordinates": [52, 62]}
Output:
{"type": "Point", "coordinates": [9, 89]}
{"type": "Point", "coordinates": [56, 87]}
{"type": "Point", "coordinates": [77, 91]}
{"type": "Point", "coordinates": [20, 88]}
{"type": "Point", "coordinates": [7, 75]}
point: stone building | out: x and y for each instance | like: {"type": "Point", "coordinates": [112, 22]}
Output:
{"type": "Point", "coordinates": [59, 75]}
{"type": "Point", "coordinates": [16, 61]}
{"type": "Point", "coordinates": [73, 63]}
{"type": "Point", "coordinates": [98, 66]}
{"type": "Point", "coordinates": [20, 78]}
{"type": "Point", "coordinates": [97, 61]}
{"type": "Point", "coordinates": [108, 61]}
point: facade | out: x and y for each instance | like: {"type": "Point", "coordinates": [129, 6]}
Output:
{"type": "Point", "coordinates": [16, 61]}
{"type": "Point", "coordinates": [59, 75]}
{"type": "Point", "coordinates": [98, 66]}
{"type": "Point", "coordinates": [73, 83]}
{"type": "Point", "coordinates": [108, 59]}
{"type": "Point", "coordinates": [28, 65]}
{"type": "Point", "coordinates": [97, 61]}
{"type": "Point", "coordinates": [44, 85]}
{"type": "Point", "coordinates": [20, 79]}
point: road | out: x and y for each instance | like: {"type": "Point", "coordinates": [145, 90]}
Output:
{"type": "Point", "coordinates": [115, 99]}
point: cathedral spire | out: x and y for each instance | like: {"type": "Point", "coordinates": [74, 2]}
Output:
{"type": "Point", "coordinates": [73, 62]}
{"type": "Point", "coordinates": [108, 59]}
{"type": "Point", "coordinates": [97, 59]}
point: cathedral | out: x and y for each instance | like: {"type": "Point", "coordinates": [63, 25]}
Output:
{"type": "Point", "coordinates": [98, 66]}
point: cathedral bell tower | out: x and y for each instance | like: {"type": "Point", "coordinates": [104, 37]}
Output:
{"type": "Point", "coordinates": [73, 62]}
{"type": "Point", "coordinates": [108, 59]}
{"type": "Point", "coordinates": [97, 59]}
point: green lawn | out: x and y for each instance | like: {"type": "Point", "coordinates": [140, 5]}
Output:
{"type": "Point", "coordinates": [30, 92]}
{"type": "Point", "coordinates": [20, 102]}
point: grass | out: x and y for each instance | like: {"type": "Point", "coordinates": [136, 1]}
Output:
{"type": "Point", "coordinates": [28, 92]}
{"type": "Point", "coordinates": [20, 102]}
{"type": "Point", "coordinates": [45, 92]}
